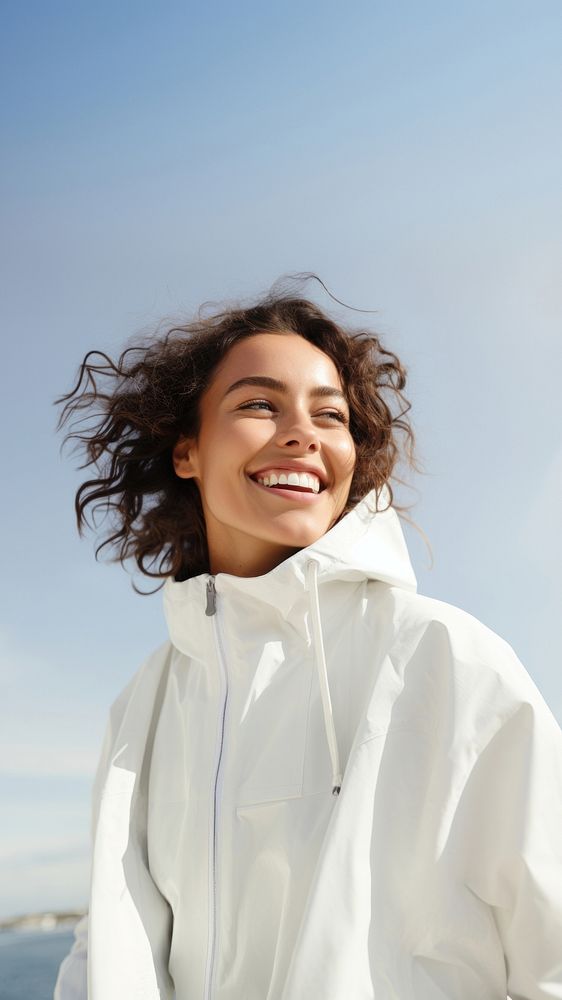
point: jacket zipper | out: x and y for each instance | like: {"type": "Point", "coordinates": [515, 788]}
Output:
{"type": "Point", "coordinates": [211, 597]}
{"type": "Point", "coordinates": [211, 611]}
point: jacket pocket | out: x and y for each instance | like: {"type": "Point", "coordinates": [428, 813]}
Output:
{"type": "Point", "coordinates": [291, 801]}
{"type": "Point", "coordinates": [252, 797]}
{"type": "Point", "coordinates": [270, 740]}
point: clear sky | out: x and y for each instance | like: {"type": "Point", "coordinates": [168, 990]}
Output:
{"type": "Point", "coordinates": [157, 156]}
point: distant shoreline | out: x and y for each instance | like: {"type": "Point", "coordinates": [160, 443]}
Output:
{"type": "Point", "coordinates": [48, 920]}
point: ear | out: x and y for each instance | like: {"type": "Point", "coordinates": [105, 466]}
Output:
{"type": "Point", "coordinates": [184, 457]}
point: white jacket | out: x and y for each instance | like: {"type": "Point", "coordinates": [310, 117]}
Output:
{"type": "Point", "coordinates": [224, 865]}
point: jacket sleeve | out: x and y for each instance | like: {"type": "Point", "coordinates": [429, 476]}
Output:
{"type": "Point", "coordinates": [130, 922]}
{"type": "Point", "coordinates": [514, 809]}
{"type": "Point", "coordinates": [72, 978]}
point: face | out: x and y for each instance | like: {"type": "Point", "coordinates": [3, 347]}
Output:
{"type": "Point", "coordinates": [291, 418]}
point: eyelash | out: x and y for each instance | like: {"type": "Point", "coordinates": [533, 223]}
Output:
{"type": "Point", "coordinates": [336, 414]}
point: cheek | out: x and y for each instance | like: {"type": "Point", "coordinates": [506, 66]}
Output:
{"type": "Point", "coordinates": [347, 456]}
{"type": "Point", "coordinates": [245, 440]}
{"type": "Point", "coordinates": [233, 445]}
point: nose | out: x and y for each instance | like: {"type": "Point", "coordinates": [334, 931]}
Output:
{"type": "Point", "coordinates": [298, 430]}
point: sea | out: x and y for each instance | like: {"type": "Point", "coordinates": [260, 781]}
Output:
{"type": "Point", "coordinates": [29, 962]}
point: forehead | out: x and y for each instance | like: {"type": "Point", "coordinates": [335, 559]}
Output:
{"type": "Point", "coordinates": [285, 356]}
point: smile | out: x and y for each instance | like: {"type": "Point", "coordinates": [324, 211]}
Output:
{"type": "Point", "coordinates": [291, 480]}
{"type": "Point", "coordinates": [294, 493]}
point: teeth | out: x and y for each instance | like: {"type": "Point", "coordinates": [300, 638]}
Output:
{"type": "Point", "coordinates": [304, 479]}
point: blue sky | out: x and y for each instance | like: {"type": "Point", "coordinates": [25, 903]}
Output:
{"type": "Point", "coordinates": [157, 157]}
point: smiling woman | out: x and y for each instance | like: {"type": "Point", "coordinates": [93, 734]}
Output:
{"type": "Point", "coordinates": [177, 434]}
{"type": "Point", "coordinates": [324, 784]}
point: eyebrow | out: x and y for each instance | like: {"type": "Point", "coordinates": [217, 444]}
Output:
{"type": "Point", "coordinates": [275, 383]}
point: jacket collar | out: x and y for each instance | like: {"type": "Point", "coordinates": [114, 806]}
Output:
{"type": "Point", "coordinates": [367, 543]}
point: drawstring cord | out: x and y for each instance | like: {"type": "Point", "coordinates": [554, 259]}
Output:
{"type": "Point", "coordinates": [320, 658]}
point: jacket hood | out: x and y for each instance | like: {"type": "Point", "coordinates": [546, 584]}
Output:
{"type": "Point", "coordinates": [368, 543]}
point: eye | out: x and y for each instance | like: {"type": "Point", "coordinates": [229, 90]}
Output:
{"type": "Point", "coordinates": [256, 402]}
{"type": "Point", "coordinates": [336, 414]}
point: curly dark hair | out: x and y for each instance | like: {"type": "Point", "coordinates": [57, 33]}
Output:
{"type": "Point", "coordinates": [137, 407]}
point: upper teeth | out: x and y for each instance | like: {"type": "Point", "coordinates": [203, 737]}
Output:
{"type": "Point", "coordinates": [305, 479]}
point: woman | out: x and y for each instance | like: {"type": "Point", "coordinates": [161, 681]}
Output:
{"type": "Point", "coordinates": [324, 785]}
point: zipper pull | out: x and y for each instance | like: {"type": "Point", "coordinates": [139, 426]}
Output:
{"type": "Point", "coordinates": [211, 597]}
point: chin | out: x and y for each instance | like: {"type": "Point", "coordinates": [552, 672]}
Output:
{"type": "Point", "coordinates": [301, 536]}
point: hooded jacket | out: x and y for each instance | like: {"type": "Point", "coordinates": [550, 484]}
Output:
{"type": "Point", "coordinates": [325, 786]}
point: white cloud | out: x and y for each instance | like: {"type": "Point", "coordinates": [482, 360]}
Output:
{"type": "Point", "coordinates": [45, 885]}
{"type": "Point", "coordinates": [32, 849]}
{"type": "Point", "coordinates": [47, 761]}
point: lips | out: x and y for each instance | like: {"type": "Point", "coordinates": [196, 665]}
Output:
{"type": "Point", "coordinates": [288, 492]}
{"type": "Point", "coordinates": [286, 470]}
